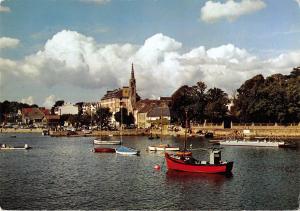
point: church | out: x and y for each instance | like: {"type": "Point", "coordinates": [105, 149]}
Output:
{"type": "Point", "coordinates": [125, 97]}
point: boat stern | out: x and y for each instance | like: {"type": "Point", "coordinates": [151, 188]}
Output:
{"type": "Point", "coordinates": [229, 167]}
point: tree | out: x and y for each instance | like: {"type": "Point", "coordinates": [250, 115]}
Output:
{"type": "Point", "coordinates": [103, 116]}
{"type": "Point", "coordinates": [191, 98]}
{"type": "Point", "coordinates": [216, 109]}
{"type": "Point", "coordinates": [127, 118]}
{"type": "Point", "coordinates": [247, 94]}
{"type": "Point", "coordinates": [9, 110]}
{"type": "Point", "coordinates": [274, 99]}
{"type": "Point", "coordinates": [57, 104]}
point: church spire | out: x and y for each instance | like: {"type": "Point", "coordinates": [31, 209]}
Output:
{"type": "Point", "coordinates": [132, 71]}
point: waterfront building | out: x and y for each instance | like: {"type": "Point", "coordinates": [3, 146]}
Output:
{"type": "Point", "coordinates": [51, 120]}
{"type": "Point", "coordinates": [34, 115]}
{"type": "Point", "coordinates": [90, 108]}
{"type": "Point", "coordinates": [67, 108]}
{"type": "Point", "coordinates": [147, 112]}
{"type": "Point", "coordinates": [126, 97]}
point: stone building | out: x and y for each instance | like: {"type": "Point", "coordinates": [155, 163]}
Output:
{"type": "Point", "coordinates": [125, 97]}
{"type": "Point", "coordinates": [147, 112]}
{"type": "Point", "coordinates": [34, 115]}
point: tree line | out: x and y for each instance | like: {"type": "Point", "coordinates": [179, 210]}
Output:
{"type": "Point", "coordinates": [261, 100]}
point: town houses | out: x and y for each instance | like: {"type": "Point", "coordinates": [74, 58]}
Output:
{"type": "Point", "coordinates": [144, 111]}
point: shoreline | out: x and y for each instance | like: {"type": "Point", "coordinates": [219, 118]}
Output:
{"type": "Point", "coordinates": [218, 134]}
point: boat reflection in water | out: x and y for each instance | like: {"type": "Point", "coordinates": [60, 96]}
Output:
{"type": "Point", "coordinates": [173, 176]}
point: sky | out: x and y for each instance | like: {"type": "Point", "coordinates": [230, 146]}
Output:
{"type": "Point", "coordinates": [76, 50]}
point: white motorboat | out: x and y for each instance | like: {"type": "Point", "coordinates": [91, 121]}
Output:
{"type": "Point", "coordinates": [107, 142]}
{"type": "Point", "coordinates": [256, 143]}
{"type": "Point", "coordinates": [7, 147]}
{"type": "Point", "coordinates": [163, 147]}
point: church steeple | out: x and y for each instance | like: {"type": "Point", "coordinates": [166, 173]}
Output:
{"type": "Point", "coordinates": [132, 71]}
{"type": "Point", "coordinates": [132, 88]}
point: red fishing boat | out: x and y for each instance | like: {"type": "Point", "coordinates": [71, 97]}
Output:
{"type": "Point", "coordinates": [190, 164]}
{"type": "Point", "coordinates": [185, 161]}
{"type": "Point", "coordinates": [104, 150]}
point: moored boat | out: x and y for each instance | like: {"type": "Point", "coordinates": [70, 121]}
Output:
{"type": "Point", "coordinates": [184, 161]}
{"type": "Point", "coordinates": [256, 143]}
{"type": "Point", "coordinates": [163, 147]}
{"type": "Point", "coordinates": [8, 147]}
{"type": "Point", "coordinates": [189, 164]}
{"type": "Point", "coordinates": [127, 151]}
{"type": "Point", "coordinates": [46, 133]}
{"type": "Point", "coordinates": [106, 142]}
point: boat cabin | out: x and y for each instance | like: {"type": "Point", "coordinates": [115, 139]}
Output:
{"type": "Point", "coordinates": [215, 156]}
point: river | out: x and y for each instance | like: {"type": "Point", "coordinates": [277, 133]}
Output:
{"type": "Point", "coordinates": [63, 173]}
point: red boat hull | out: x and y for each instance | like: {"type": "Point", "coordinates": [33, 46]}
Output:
{"type": "Point", "coordinates": [181, 165]}
{"type": "Point", "coordinates": [104, 150]}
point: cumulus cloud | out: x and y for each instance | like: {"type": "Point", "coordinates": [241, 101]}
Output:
{"type": "Point", "coordinates": [3, 8]}
{"type": "Point", "coordinates": [29, 100]}
{"type": "Point", "coordinates": [7, 42]}
{"type": "Point", "coordinates": [213, 11]}
{"type": "Point", "coordinates": [161, 66]}
{"type": "Point", "coordinates": [96, 1]}
{"type": "Point", "coordinates": [298, 1]}
{"type": "Point", "coordinates": [49, 101]}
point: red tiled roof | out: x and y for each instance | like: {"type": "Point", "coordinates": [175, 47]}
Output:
{"type": "Point", "coordinates": [35, 113]}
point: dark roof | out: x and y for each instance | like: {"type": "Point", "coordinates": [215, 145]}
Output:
{"type": "Point", "coordinates": [117, 93]}
{"type": "Point", "coordinates": [146, 108]}
{"type": "Point", "coordinates": [159, 111]}
{"type": "Point", "coordinates": [142, 103]}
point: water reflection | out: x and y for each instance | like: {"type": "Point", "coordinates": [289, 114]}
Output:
{"type": "Point", "coordinates": [187, 177]}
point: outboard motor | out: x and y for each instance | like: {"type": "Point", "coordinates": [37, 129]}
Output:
{"type": "Point", "coordinates": [215, 156]}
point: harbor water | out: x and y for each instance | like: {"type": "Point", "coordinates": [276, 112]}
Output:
{"type": "Point", "coordinates": [63, 173]}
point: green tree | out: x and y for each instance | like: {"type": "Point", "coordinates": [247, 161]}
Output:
{"type": "Point", "coordinates": [127, 118]}
{"type": "Point", "coordinates": [274, 99]}
{"type": "Point", "coordinates": [191, 98]}
{"type": "Point", "coordinates": [103, 116]}
{"type": "Point", "coordinates": [216, 109]}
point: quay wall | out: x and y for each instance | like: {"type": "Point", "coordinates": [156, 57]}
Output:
{"type": "Point", "coordinates": [254, 130]}
{"type": "Point", "coordinates": [21, 130]}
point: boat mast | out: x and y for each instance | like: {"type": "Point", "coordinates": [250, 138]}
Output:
{"type": "Point", "coordinates": [100, 122]}
{"type": "Point", "coordinates": [161, 122]}
{"type": "Point", "coordinates": [121, 108]}
{"type": "Point", "coordinates": [185, 129]}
